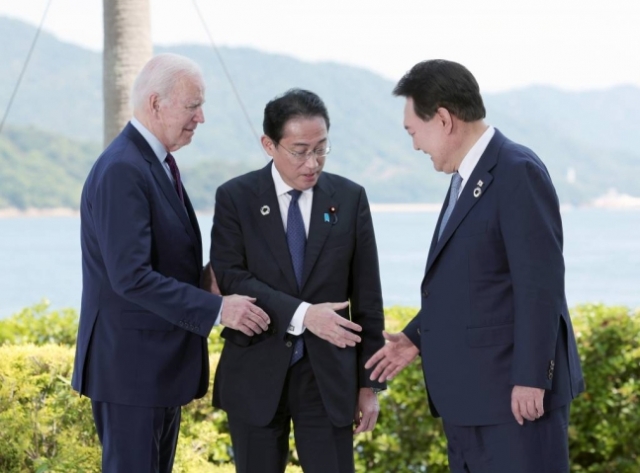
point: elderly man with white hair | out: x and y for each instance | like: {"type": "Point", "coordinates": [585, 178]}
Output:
{"type": "Point", "coordinates": [142, 341]}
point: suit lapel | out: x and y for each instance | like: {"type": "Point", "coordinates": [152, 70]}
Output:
{"type": "Point", "coordinates": [318, 229]}
{"type": "Point", "coordinates": [467, 199]}
{"type": "Point", "coordinates": [193, 219]}
{"type": "Point", "coordinates": [271, 225]}
{"type": "Point", "coordinates": [164, 182]}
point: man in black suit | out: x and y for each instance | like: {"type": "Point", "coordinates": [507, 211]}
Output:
{"type": "Point", "coordinates": [498, 351]}
{"type": "Point", "coordinates": [142, 341]}
{"type": "Point", "coordinates": [300, 241]}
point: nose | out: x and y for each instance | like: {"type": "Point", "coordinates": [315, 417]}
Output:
{"type": "Point", "coordinates": [199, 117]}
{"type": "Point", "coordinates": [312, 162]}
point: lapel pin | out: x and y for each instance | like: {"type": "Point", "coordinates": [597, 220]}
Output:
{"type": "Point", "coordinates": [265, 210]}
{"type": "Point", "coordinates": [477, 191]}
{"type": "Point", "coordinates": [480, 183]}
{"type": "Point", "coordinates": [331, 216]}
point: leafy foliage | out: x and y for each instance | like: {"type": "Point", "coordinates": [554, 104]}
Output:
{"type": "Point", "coordinates": [38, 325]}
{"type": "Point", "coordinates": [46, 427]}
{"type": "Point", "coordinates": [605, 423]}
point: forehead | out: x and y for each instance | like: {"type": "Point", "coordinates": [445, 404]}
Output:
{"type": "Point", "coordinates": [305, 129]}
{"type": "Point", "coordinates": [409, 111]}
{"type": "Point", "coordinates": [188, 88]}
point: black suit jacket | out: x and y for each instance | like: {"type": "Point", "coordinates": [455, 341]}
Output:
{"type": "Point", "coordinates": [250, 256]}
{"type": "Point", "coordinates": [142, 338]}
{"type": "Point", "coordinates": [494, 312]}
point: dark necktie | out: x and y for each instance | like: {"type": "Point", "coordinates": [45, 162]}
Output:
{"type": "Point", "coordinates": [297, 241]}
{"type": "Point", "coordinates": [456, 181]}
{"type": "Point", "coordinates": [175, 173]}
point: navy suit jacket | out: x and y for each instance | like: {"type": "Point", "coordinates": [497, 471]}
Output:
{"type": "Point", "coordinates": [493, 311]}
{"type": "Point", "coordinates": [250, 256]}
{"type": "Point", "coordinates": [144, 322]}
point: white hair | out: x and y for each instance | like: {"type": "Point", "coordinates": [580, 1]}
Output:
{"type": "Point", "coordinates": [159, 76]}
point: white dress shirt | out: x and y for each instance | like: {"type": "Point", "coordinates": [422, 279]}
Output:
{"type": "Point", "coordinates": [304, 202]}
{"type": "Point", "coordinates": [158, 148]}
{"type": "Point", "coordinates": [471, 159]}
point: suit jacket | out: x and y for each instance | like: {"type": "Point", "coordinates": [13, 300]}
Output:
{"type": "Point", "coordinates": [144, 320]}
{"type": "Point", "coordinates": [250, 256]}
{"type": "Point", "coordinates": [493, 311]}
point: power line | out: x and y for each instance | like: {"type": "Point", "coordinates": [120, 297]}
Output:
{"type": "Point", "coordinates": [229, 78]}
{"type": "Point", "coordinates": [24, 67]}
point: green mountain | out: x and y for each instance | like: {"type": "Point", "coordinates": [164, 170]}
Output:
{"type": "Point", "coordinates": [592, 135]}
{"type": "Point", "coordinates": [42, 170]}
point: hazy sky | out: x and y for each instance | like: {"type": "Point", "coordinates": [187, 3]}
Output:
{"type": "Point", "coordinates": [572, 44]}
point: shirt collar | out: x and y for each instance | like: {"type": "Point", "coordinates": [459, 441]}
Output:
{"type": "Point", "coordinates": [281, 186]}
{"type": "Point", "coordinates": [469, 162]}
{"type": "Point", "coordinates": [158, 148]}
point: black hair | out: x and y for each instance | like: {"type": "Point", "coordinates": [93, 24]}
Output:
{"type": "Point", "coordinates": [441, 83]}
{"type": "Point", "coordinates": [293, 103]}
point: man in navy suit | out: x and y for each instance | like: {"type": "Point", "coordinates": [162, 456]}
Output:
{"type": "Point", "coordinates": [301, 241]}
{"type": "Point", "coordinates": [498, 351]}
{"type": "Point", "coordinates": [142, 340]}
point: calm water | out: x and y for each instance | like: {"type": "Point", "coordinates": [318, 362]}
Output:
{"type": "Point", "coordinates": [40, 257]}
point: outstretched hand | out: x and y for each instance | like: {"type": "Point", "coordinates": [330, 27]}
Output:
{"type": "Point", "coordinates": [392, 358]}
{"type": "Point", "coordinates": [323, 321]}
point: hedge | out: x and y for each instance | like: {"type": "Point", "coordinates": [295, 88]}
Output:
{"type": "Point", "coordinates": [46, 427]}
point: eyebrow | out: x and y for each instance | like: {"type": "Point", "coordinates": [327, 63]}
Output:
{"type": "Point", "coordinates": [307, 144]}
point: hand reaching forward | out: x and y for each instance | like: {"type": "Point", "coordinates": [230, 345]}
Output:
{"type": "Point", "coordinates": [526, 403]}
{"type": "Point", "coordinates": [393, 357]}
{"type": "Point", "coordinates": [239, 313]}
{"type": "Point", "coordinates": [322, 320]}
{"type": "Point", "coordinates": [367, 411]}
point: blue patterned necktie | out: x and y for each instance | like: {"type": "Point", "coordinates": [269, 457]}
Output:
{"type": "Point", "coordinates": [297, 241]}
{"type": "Point", "coordinates": [456, 182]}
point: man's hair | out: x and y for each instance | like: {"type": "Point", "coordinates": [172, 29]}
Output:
{"type": "Point", "coordinates": [160, 75]}
{"type": "Point", "coordinates": [441, 83]}
{"type": "Point", "coordinates": [294, 103]}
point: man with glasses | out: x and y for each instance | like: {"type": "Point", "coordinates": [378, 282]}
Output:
{"type": "Point", "coordinates": [302, 243]}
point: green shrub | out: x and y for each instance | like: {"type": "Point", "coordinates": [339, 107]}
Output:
{"type": "Point", "coordinates": [45, 426]}
{"type": "Point", "coordinates": [406, 438]}
{"type": "Point", "coordinates": [605, 420]}
{"type": "Point", "coordinates": [39, 325]}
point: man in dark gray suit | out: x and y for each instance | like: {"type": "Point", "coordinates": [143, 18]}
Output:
{"type": "Point", "coordinates": [301, 242]}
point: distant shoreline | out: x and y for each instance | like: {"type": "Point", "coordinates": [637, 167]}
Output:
{"type": "Point", "coordinates": [611, 200]}
{"type": "Point", "coordinates": [12, 212]}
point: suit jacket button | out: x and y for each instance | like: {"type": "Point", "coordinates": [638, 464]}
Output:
{"type": "Point", "coordinates": [419, 331]}
{"type": "Point", "coordinates": [425, 293]}
{"type": "Point", "coordinates": [288, 344]}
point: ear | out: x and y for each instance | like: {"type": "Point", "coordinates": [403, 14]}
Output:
{"type": "Point", "coordinates": [446, 119]}
{"type": "Point", "coordinates": [154, 103]}
{"type": "Point", "coordinates": [267, 145]}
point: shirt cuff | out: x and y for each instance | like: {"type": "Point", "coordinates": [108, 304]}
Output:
{"type": "Point", "coordinates": [296, 326]}
{"type": "Point", "coordinates": [219, 317]}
